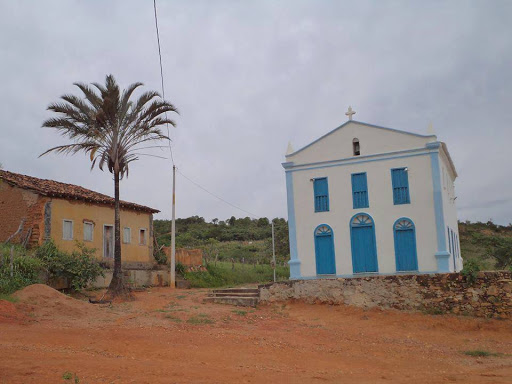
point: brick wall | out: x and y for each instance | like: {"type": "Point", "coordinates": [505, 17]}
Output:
{"type": "Point", "coordinates": [188, 257]}
{"type": "Point", "coordinates": [489, 296]}
{"type": "Point", "coordinates": [17, 204]}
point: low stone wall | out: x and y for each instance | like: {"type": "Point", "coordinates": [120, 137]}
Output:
{"type": "Point", "coordinates": [135, 277]}
{"type": "Point", "coordinates": [489, 296]}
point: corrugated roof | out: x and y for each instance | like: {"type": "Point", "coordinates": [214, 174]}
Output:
{"type": "Point", "coordinates": [53, 188]}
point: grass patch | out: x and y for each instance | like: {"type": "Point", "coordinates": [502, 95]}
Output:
{"type": "Point", "coordinates": [173, 318]}
{"type": "Point", "coordinates": [223, 275]}
{"type": "Point", "coordinates": [12, 299]}
{"type": "Point", "coordinates": [70, 376]}
{"type": "Point", "coordinates": [202, 318]}
{"type": "Point", "coordinates": [433, 311]}
{"type": "Point", "coordinates": [480, 353]}
{"type": "Point", "coordinates": [181, 297]}
{"type": "Point", "coordinates": [239, 312]}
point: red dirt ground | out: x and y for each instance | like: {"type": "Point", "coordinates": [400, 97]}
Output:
{"type": "Point", "coordinates": [169, 336]}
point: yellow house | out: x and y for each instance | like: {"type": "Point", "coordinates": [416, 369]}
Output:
{"type": "Point", "coordinates": [37, 210]}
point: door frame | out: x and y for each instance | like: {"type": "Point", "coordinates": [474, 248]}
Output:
{"type": "Point", "coordinates": [316, 249]}
{"type": "Point", "coordinates": [113, 241]}
{"type": "Point", "coordinates": [374, 241]}
{"type": "Point", "coordinates": [414, 243]}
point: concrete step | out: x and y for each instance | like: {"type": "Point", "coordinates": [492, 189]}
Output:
{"type": "Point", "coordinates": [234, 294]}
{"type": "Point", "coordinates": [237, 290]}
{"type": "Point", "coordinates": [234, 300]}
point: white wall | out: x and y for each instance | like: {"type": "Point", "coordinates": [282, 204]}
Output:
{"type": "Point", "coordinates": [338, 143]}
{"type": "Point", "coordinates": [381, 208]}
{"type": "Point", "coordinates": [449, 206]}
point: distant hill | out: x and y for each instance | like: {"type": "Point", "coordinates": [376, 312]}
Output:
{"type": "Point", "coordinates": [479, 241]}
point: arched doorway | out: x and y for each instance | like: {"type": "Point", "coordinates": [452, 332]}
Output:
{"type": "Point", "coordinates": [364, 247]}
{"type": "Point", "coordinates": [324, 250]}
{"type": "Point", "coordinates": [405, 245]}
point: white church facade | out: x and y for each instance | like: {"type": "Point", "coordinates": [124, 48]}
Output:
{"type": "Point", "coordinates": [365, 199]}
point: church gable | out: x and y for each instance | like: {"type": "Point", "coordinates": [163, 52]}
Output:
{"type": "Point", "coordinates": [354, 139]}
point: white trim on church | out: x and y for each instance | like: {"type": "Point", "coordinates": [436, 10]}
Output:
{"type": "Point", "coordinates": [365, 199]}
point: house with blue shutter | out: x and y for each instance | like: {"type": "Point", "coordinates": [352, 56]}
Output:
{"type": "Point", "coordinates": [365, 199]}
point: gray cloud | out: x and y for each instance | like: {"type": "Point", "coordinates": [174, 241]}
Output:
{"type": "Point", "coordinates": [249, 76]}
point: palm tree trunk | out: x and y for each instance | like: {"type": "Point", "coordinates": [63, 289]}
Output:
{"type": "Point", "coordinates": [117, 286]}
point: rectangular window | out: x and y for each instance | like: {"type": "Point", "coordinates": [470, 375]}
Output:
{"type": "Point", "coordinates": [400, 181]}
{"type": "Point", "coordinates": [88, 230]}
{"type": "Point", "coordinates": [321, 194]}
{"type": "Point", "coordinates": [127, 235]}
{"type": "Point", "coordinates": [359, 190]}
{"type": "Point", "coordinates": [142, 237]}
{"type": "Point", "coordinates": [67, 230]}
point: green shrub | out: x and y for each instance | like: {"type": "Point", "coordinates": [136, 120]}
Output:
{"type": "Point", "coordinates": [160, 257]}
{"type": "Point", "coordinates": [80, 268]}
{"type": "Point", "coordinates": [470, 270]}
{"type": "Point", "coordinates": [26, 269]}
{"type": "Point", "coordinates": [180, 269]}
{"type": "Point", "coordinates": [223, 274]}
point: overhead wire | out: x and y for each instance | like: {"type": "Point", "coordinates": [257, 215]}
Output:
{"type": "Point", "coordinates": [162, 76]}
{"type": "Point", "coordinates": [167, 125]}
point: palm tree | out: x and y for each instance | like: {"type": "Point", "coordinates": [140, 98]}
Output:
{"type": "Point", "coordinates": [110, 127]}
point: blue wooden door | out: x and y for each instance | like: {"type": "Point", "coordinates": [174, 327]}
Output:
{"type": "Point", "coordinates": [405, 245]}
{"type": "Point", "coordinates": [324, 251]}
{"type": "Point", "coordinates": [364, 250]}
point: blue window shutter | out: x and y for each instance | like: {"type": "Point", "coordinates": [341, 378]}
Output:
{"type": "Point", "coordinates": [359, 190]}
{"type": "Point", "coordinates": [321, 190]}
{"type": "Point", "coordinates": [400, 181]}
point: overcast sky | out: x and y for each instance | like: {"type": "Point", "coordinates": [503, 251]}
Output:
{"type": "Point", "coordinates": [248, 76]}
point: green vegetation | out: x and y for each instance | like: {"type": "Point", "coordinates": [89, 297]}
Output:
{"type": "Point", "coordinates": [239, 312]}
{"type": "Point", "coordinates": [202, 318]}
{"type": "Point", "coordinates": [487, 245]}
{"type": "Point", "coordinates": [10, 298]}
{"type": "Point", "coordinates": [248, 240]}
{"type": "Point", "coordinates": [46, 263]}
{"type": "Point", "coordinates": [470, 270]}
{"type": "Point", "coordinates": [25, 270]}
{"type": "Point", "coordinates": [70, 376]}
{"type": "Point", "coordinates": [480, 353]}
{"type": "Point", "coordinates": [224, 275]}
{"type": "Point", "coordinates": [79, 267]}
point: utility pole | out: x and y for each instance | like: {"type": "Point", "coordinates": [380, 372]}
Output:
{"type": "Point", "coordinates": [273, 252]}
{"type": "Point", "coordinates": [173, 230]}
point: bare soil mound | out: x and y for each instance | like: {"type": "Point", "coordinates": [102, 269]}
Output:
{"type": "Point", "coordinates": [45, 302]}
{"type": "Point", "coordinates": [9, 313]}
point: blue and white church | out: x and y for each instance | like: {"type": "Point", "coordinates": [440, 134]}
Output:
{"type": "Point", "coordinates": [365, 199]}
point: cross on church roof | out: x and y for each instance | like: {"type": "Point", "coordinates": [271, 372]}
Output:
{"type": "Point", "coordinates": [350, 112]}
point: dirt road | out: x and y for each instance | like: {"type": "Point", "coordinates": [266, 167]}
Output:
{"type": "Point", "coordinates": [172, 337]}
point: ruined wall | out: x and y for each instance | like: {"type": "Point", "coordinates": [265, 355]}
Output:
{"type": "Point", "coordinates": [489, 296]}
{"type": "Point", "coordinates": [17, 204]}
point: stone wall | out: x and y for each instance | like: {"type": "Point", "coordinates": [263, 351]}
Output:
{"type": "Point", "coordinates": [157, 277]}
{"type": "Point", "coordinates": [489, 296]}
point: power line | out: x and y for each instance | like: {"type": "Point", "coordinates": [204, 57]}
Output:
{"type": "Point", "coordinates": [217, 197]}
{"type": "Point", "coordinates": [168, 133]}
{"type": "Point", "coordinates": [162, 75]}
